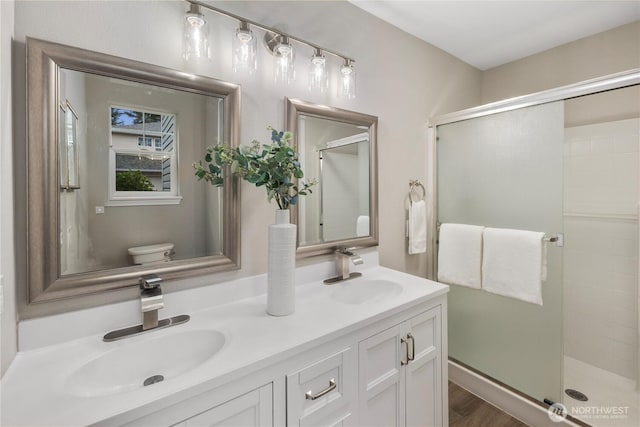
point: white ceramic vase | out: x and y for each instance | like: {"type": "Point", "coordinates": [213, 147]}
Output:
{"type": "Point", "coordinates": [281, 289]}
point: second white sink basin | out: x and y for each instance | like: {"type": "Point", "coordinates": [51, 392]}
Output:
{"type": "Point", "coordinates": [132, 365]}
{"type": "Point", "coordinates": [362, 291]}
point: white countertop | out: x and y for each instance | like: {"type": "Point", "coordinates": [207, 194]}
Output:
{"type": "Point", "coordinates": [34, 388]}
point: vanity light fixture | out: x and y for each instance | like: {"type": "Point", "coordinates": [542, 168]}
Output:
{"type": "Point", "coordinates": [196, 47]}
{"type": "Point", "coordinates": [318, 79]}
{"type": "Point", "coordinates": [196, 36]}
{"type": "Point", "coordinates": [347, 80]}
{"type": "Point", "coordinates": [245, 50]}
{"type": "Point", "coordinates": [284, 71]}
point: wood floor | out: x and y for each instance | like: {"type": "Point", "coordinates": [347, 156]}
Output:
{"type": "Point", "coordinates": [468, 410]}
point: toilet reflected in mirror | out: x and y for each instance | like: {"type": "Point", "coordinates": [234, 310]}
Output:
{"type": "Point", "coordinates": [150, 254]}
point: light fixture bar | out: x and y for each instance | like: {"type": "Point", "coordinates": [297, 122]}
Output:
{"type": "Point", "coordinates": [269, 29]}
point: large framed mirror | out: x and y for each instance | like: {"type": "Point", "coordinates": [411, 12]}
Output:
{"type": "Point", "coordinates": [338, 148]}
{"type": "Point", "coordinates": [111, 191]}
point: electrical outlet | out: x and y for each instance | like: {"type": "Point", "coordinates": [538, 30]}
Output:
{"type": "Point", "coordinates": [99, 210]}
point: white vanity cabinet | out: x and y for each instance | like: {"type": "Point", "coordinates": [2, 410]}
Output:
{"type": "Point", "coordinates": [400, 374]}
{"type": "Point", "coordinates": [386, 372]}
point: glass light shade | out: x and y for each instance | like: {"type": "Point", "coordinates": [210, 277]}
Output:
{"type": "Point", "coordinates": [347, 80]}
{"type": "Point", "coordinates": [318, 79]}
{"type": "Point", "coordinates": [196, 36]}
{"type": "Point", "coordinates": [245, 50]}
{"type": "Point", "coordinates": [284, 71]}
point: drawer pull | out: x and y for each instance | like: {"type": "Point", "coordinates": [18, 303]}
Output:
{"type": "Point", "coordinates": [310, 396]}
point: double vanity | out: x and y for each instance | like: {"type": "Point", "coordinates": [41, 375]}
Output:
{"type": "Point", "coordinates": [365, 351]}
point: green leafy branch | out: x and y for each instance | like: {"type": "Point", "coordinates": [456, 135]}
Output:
{"type": "Point", "coordinates": [275, 166]}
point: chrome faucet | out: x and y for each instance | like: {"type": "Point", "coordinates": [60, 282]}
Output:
{"type": "Point", "coordinates": [343, 256]}
{"type": "Point", "coordinates": [151, 300]}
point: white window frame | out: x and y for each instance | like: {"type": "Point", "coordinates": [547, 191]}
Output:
{"type": "Point", "coordinates": [144, 198]}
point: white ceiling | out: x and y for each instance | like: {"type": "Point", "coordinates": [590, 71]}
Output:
{"type": "Point", "coordinates": [486, 34]}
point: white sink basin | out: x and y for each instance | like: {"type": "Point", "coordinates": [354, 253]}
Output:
{"type": "Point", "coordinates": [130, 364]}
{"type": "Point", "coordinates": [362, 291]}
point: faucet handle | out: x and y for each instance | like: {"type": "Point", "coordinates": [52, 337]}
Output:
{"type": "Point", "coordinates": [345, 251]}
{"type": "Point", "coordinates": [150, 281]}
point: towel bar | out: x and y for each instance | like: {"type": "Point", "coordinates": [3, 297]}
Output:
{"type": "Point", "coordinates": [556, 239]}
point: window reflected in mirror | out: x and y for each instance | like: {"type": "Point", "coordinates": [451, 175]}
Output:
{"type": "Point", "coordinates": [142, 154]}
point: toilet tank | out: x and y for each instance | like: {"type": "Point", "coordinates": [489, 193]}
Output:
{"type": "Point", "coordinates": [151, 253]}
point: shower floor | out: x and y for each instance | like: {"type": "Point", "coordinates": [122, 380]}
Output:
{"type": "Point", "coordinates": [613, 399]}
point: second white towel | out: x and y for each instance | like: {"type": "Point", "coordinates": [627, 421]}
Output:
{"type": "Point", "coordinates": [460, 254]}
{"type": "Point", "coordinates": [512, 263]}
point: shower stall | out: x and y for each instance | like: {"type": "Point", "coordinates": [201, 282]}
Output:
{"type": "Point", "coordinates": [563, 162]}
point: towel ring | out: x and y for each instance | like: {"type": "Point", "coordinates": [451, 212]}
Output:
{"type": "Point", "coordinates": [414, 185]}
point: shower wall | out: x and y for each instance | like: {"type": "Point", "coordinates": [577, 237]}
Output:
{"type": "Point", "coordinates": [601, 250]}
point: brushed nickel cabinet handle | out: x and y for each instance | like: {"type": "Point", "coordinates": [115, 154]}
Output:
{"type": "Point", "coordinates": [413, 348]}
{"type": "Point", "coordinates": [310, 396]}
{"type": "Point", "coordinates": [406, 351]}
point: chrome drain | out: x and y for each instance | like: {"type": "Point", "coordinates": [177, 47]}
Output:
{"type": "Point", "coordinates": [152, 380]}
{"type": "Point", "coordinates": [575, 394]}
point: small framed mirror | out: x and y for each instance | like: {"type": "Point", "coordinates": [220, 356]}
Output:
{"type": "Point", "coordinates": [111, 191]}
{"type": "Point", "coordinates": [337, 148]}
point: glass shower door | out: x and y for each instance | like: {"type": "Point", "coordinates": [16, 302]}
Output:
{"type": "Point", "coordinates": [505, 170]}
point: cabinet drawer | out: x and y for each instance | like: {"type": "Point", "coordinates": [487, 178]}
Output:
{"type": "Point", "coordinates": [322, 393]}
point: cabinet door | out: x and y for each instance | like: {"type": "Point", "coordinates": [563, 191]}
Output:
{"type": "Point", "coordinates": [423, 373]}
{"type": "Point", "coordinates": [381, 380]}
{"type": "Point", "coordinates": [252, 409]}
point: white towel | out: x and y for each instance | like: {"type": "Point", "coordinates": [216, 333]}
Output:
{"type": "Point", "coordinates": [362, 226]}
{"type": "Point", "coordinates": [512, 263]}
{"type": "Point", "coordinates": [460, 254]}
{"type": "Point", "coordinates": [417, 227]}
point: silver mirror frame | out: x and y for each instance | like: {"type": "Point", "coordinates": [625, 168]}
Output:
{"type": "Point", "coordinates": [295, 107]}
{"type": "Point", "coordinates": [45, 283]}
